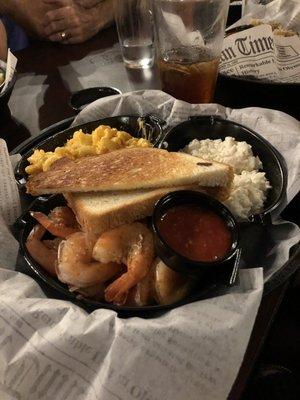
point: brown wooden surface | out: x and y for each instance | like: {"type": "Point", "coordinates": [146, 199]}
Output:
{"type": "Point", "coordinates": [46, 59]}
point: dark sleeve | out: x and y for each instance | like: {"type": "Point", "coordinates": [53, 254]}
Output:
{"type": "Point", "coordinates": [16, 37]}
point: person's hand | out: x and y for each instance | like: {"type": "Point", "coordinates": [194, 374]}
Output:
{"type": "Point", "coordinates": [88, 3]}
{"type": "Point", "coordinates": [69, 22]}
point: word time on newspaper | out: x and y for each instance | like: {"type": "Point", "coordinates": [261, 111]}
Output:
{"type": "Point", "coordinates": [256, 52]}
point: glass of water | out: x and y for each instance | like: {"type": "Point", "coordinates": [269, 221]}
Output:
{"type": "Point", "coordinates": [135, 29]}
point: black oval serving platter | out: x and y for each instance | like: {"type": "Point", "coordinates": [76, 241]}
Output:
{"type": "Point", "coordinates": [175, 139]}
{"type": "Point", "coordinates": [152, 131]}
{"type": "Point", "coordinates": [212, 127]}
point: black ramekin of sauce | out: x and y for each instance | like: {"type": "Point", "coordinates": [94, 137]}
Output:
{"type": "Point", "coordinates": [194, 233]}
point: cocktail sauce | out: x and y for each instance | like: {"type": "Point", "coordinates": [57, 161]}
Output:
{"type": "Point", "coordinates": [196, 233]}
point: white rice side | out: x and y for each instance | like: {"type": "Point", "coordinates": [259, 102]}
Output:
{"type": "Point", "coordinates": [237, 154]}
{"type": "Point", "coordinates": [250, 187]}
{"type": "Point", "coordinates": [248, 194]}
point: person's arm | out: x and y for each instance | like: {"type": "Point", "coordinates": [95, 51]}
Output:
{"type": "Point", "coordinates": [75, 21]}
{"type": "Point", "coordinates": [3, 42]}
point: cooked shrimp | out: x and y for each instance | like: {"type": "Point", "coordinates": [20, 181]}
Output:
{"type": "Point", "coordinates": [77, 268]}
{"type": "Point", "coordinates": [60, 222]}
{"type": "Point", "coordinates": [41, 252]}
{"type": "Point", "coordinates": [169, 286]}
{"type": "Point", "coordinates": [131, 245]}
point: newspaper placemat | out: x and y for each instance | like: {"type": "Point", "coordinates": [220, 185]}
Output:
{"type": "Point", "coordinates": [53, 349]}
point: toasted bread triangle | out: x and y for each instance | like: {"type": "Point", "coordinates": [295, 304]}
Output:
{"type": "Point", "coordinates": [129, 169]}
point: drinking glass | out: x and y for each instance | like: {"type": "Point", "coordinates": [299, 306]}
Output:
{"type": "Point", "coordinates": [189, 38]}
{"type": "Point", "coordinates": [135, 29]}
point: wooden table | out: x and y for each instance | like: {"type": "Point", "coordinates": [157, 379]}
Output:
{"type": "Point", "coordinates": [48, 74]}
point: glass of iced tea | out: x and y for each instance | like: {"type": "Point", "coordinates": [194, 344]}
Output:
{"type": "Point", "coordinates": [189, 38]}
